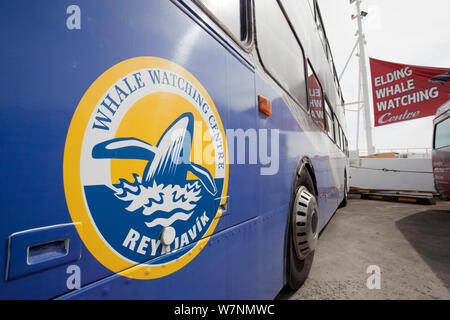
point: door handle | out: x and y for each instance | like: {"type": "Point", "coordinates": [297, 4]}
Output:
{"type": "Point", "coordinates": [38, 249]}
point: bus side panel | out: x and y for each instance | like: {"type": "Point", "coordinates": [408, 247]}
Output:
{"type": "Point", "coordinates": [49, 68]}
{"type": "Point", "coordinates": [240, 110]}
{"type": "Point", "coordinates": [441, 170]}
{"type": "Point", "coordinates": [441, 157]}
{"type": "Point", "coordinates": [284, 138]}
{"type": "Point", "coordinates": [228, 268]}
{"type": "Point", "coordinates": [299, 137]}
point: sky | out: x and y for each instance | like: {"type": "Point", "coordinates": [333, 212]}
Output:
{"type": "Point", "coordinates": [412, 32]}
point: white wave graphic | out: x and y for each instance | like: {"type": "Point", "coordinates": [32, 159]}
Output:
{"type": "Point", "coordinates": [165, 222]}
{"type": "Point", "coordinates": [175, 197]}
{"type": "Point", "coordinates": [171, 199]}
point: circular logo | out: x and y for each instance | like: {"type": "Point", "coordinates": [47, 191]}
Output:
{"type": "Point", "coordinates": [145, 168]}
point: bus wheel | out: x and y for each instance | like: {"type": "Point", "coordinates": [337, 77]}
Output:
{"type": "Point", "coordinates": [303, 233]}
{"type": "Point", "coordinates": [344, 201]}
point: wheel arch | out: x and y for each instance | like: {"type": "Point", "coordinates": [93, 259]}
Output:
{"type": "Point", "coordinates": [303, 165]}
{"type": "Point", "coordinates": [306, 163]}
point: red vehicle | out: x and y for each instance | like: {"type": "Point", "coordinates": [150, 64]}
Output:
{"type": "Point", "coordinates": [441, 150]}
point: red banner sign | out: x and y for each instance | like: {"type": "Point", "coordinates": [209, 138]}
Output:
{"type": "Point", "coordinates": [315, 100]}
{"type": "Point", "coordinates": [404, 92]}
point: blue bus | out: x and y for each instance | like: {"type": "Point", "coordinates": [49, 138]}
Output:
{"type": "Point", "coordinates": [178, 149]}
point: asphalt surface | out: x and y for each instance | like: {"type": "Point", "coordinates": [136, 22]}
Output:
{"type": "Point", "coordinates": [409, 243]}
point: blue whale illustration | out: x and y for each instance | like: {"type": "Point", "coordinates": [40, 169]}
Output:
{"type": "Point", "coordinates": [168, 162]}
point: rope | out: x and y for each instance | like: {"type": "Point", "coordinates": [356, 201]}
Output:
{"type": "Point", "coordinates": [391, 170]}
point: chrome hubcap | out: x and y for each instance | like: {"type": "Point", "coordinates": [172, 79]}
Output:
{"type": "Point", "coordinates": [305, 223]}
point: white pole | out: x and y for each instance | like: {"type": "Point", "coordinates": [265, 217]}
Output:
{"type": "Point", "coordinates": [357, 117]}
{"type": "Point", "coordinates": [365, 88]}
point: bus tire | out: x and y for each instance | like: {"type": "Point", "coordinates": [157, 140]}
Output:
{"type": "Point", "coordinates": [298, 264]}
{"type": "Point", "coordinates": [344, 201]}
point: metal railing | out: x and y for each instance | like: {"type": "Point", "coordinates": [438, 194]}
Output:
{"type": "Point", "coordinates": [420, 153]}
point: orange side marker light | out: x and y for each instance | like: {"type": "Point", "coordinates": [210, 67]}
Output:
{"type": "Point", "coordinates": [265, 105]}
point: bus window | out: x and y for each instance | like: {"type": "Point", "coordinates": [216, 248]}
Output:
{"type": "Point", "coordinates": [311, 5]}
{"type": "Point", "coordinates": [321, 30]}
{"type": "Point", "coordinates": [346, 147]}
{"type": "Point", "coordinates": [232, 14]}
{"type": "Point", "coordinates": [442, 134]}
{"type": "Point", "coordinates": [340, 137]}
{"type": "Point", "coordinates": [315, 98]}
{"type": "Point", "coordinates": [280, 52]}
{"type": "Point", "coordinates": [336, 132]}
{"type": "Point", "coordinates": [329, 123]}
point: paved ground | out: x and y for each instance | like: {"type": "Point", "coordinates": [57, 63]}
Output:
{"type": "Point", "coordinates": [410, 244]}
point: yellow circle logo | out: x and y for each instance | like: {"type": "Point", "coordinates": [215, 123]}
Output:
{"type": "Point", "coordinates": [137, 173]}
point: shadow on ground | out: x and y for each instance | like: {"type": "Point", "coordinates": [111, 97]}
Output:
{"type": "Point", "coordinates": [428, 232]}
{"type": "Point", "coordinates": [285, 294]}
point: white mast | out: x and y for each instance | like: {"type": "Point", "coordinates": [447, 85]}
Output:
{"type": "Point", "coordinates": [363, 77]}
